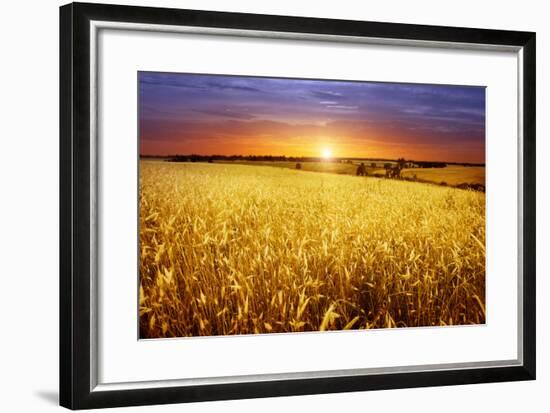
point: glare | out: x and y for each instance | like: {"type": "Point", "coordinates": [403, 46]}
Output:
{"type": "Point", "coordinates": [326, 153]}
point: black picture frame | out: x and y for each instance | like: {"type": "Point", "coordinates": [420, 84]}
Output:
{"type": "Point", "coordinates": [75, 220]}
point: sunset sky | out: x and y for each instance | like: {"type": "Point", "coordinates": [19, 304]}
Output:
{"type": "Point", "coordinates": [235, 115]}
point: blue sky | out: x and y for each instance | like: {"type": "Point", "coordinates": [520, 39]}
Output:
{"type": "Point", "coordinates": [206, 114]}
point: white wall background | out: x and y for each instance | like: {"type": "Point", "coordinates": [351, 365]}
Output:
{"type": "Point", "coordinates": [29, 205]}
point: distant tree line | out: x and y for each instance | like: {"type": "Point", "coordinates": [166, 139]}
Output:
{"type": "Point", "coordinates": [258, 158]}
{"type": "Point", "coordinates": [274, 158]}
{"type": "Point", "coordinates": [422, 164]}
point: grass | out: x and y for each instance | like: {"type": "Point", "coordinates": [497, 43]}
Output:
{"type": "Point", "coordinates": [236, 249]}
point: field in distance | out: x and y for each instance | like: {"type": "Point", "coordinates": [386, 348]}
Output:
{"type": "Point", "coordinates": [238, 249]}
{"type": "Point", "coordinates": [450, 175]}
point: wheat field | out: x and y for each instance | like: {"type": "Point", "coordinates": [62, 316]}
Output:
{"type": "Point", "coordinates": [452, 174]}
{"type": "Point", "coordinates": [238, 249]}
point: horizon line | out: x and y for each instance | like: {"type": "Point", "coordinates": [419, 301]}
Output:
{"type": "Point", "coordinates": [313, 157]}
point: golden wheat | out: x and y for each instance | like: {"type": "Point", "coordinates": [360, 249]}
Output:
{"type": "Point", "coordinates": [238, 249]}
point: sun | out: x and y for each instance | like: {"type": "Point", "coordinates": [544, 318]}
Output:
{"type": "Point", "coordinates": [326, 153]}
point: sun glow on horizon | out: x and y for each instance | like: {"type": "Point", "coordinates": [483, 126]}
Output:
{"type": "Point", "coordinates": [326, 153]}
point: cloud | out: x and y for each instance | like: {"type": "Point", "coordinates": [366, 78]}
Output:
{"type": "Point", "coordinates": [160, 81]}
{"type": "Point", "coordinates": [417, 110]}
{"type": "Point", "coordinates": [192, 82]}
{"type": "Point", "coordinates": [232, 86]}
{"type": "Point", "coordinates": [343, 107]}
{"type": "Point", "coordinates": [326, 94]}
{"type": "Point", "coordinates": [226, 113]}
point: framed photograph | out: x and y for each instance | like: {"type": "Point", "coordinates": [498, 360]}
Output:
{"type": "Point", "coordinates": [258, 205]}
